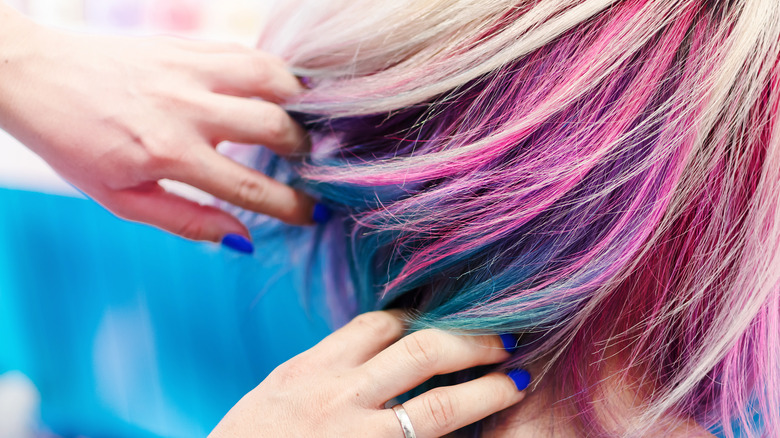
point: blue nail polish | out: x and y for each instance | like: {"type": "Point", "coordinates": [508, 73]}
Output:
{"type": "Point", "coordinates": [238, 243]}
{"type": "Point", "coordinates": [510, 342]}
{"type": "Point", "coordinates": [321, 213]}
{"type": "Point", "coordinates": [522, 378]}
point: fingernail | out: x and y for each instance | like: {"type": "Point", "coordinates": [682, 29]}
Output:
{"type": "Point", "coordinates": [521, 378]}
{"type": "Point", "coordinates": [510, 342]}
{"type": "Point", "coordinates": [321, 213]}
{"type": "Point", "coordinates": [238, 243]}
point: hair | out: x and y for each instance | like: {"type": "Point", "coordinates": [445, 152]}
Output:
{"type": "Point", "coordinates": [586, 174]}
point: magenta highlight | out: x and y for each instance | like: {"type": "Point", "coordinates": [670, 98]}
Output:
{"type": "Point", "coordinates": [612, 187]}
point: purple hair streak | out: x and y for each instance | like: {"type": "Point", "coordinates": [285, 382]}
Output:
{"type": "Point", "coordinates": [600, 178]}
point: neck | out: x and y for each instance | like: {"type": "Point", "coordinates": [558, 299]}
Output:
{"type": "Point", "coordinates": [619, 398]}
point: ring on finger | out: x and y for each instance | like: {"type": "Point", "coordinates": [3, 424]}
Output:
{"type": "Point", "coordinates": [406, 422]}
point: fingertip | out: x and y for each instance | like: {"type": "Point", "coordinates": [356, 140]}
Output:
{"type": "Point", "coordinates": [238, 243]}
{"type": "Point", "coordinates": [510, 342]}
{"type": "Point", "coordinates": [299, 212]}
{"type": "Point", "coordinates": [299, 140]}
{"type": "Point", "coordinates": [217, 224]}
{"type": "Point", "coordinates": [520, 377]}
{"type": "Point", "coordinates": [321, 214]}
{"type": "Point", "coordinates": [286, 85]}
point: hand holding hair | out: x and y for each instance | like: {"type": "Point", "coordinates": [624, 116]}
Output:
{"type": "Point", "coordinates": [339, 387]}
{"type": "Point", "coordinates": [115, 115]}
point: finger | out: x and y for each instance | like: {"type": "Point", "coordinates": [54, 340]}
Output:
{"type": "Point", "coordinates": [443, 410]}
{"type": "Point", "coordinates": [232, 68]}
{"type": "Point", "coordinates": [152, 205]}
{"type": "Point", "coordinates": [252, 121]}
{"type": "Point", "coordinates": [252, 74]}
{"type": "Point", "coordinates": [202, 46]}
{"type": "Point", "coordinates": [232, 182]}
{"type": "Point", "coordinates": [363, 337]}
{"type": "Point", "coordinates": [424, 354]}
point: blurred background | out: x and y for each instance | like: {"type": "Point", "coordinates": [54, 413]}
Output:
{"type": "Point", "coordinates": [114, 329]}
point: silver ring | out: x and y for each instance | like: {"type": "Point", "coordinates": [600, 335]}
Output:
{"type": "Point", "coordinates": [406, 423]}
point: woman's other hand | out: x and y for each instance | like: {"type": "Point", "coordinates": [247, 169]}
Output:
{"type": "Point", "coordinates": [339, 388]}
{"type": "Point", "coordinates": [115, 115]}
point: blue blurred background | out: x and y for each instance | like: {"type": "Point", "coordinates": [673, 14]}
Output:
{"type": "Point", "coordinates": [126, 331]}
{"type": "Point", "coordinates": [129, 332]}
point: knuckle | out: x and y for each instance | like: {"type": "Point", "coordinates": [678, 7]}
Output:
{"type": "Point", "coordinates": [191, 228]}
{"type": "Point", "coordinates": [375, 324]}
{"type": "Point", "coordinates": [362, 379]}
{"type": "Point", "coordinates": [251, 192]}
{"type": "Point", "coordinates": [422, 350]}
{"type": "Point", "coordinates": [159, 160]}
{"type": "Point", "coordinates": [290, 371]}
{"type": "Point", "coordinates": [162, 156]}
{"type": "Point", "coordinates": [174, 100]}
{"type": "Point", "coordinates": [440, 408]}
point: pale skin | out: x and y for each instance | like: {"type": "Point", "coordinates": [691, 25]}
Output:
{"type": "Point", "coordinates": [353, 372]}
{"type": "Point", "coordinates": [339, 387]}
{"type": "Point", "coordinates": [115, 115]}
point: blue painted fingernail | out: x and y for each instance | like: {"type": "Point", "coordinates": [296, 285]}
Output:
{"type": "Point", "coordinates": [321, 213]}
{"type": "Point", "coordinates": [238, 243]}
{"type": "Point", "coordinates": [510, 342]}
{"type": "Point", "coordinates": [522, 378]}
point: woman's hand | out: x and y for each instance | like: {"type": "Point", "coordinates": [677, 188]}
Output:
{"type": "Point", "coordinates": [340, 386]}
{"type": "Point", "coordinates": [114, 115]}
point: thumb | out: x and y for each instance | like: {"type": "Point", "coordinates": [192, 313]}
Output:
{"type": "Point", "coordinates": [151, 204]}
